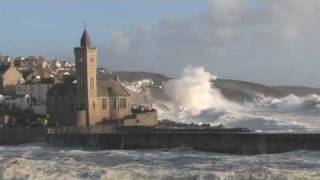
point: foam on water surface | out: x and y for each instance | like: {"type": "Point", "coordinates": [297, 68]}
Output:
{"type": "Point", "coordinates": [189, 99]}
{"type": "Point", "coordinates": [43, 162]}
{"type": "Point", "coordinates": [193, 98]}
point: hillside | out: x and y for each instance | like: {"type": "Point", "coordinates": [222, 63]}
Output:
{"type": "Point", "coordinates": [299, 90]}
{"type": "Point", "coordinates": [234, 90]}
{"type": "Point", "coordinates": [136, 76]}
{"type": "Point", "coordinates": [249, 88]}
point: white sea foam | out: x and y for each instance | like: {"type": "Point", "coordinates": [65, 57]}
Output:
{"type": "Point", "coordinates": [192, 98]}
{"type": "Point", "coordinates": [179, 163]}
{"type": "Point", "coordinates": [138, 86]}
{"type": "Point", "coordinates": [194, 92]}
{"type": "Point", "coordinates": [291, 103]}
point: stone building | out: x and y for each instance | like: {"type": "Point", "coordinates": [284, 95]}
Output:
{"type": "Point", "coordinates": [36, 90]}
{"type": "Point", "coordinates": [61, 104]}
{"type": "Point", "coordinates": [9, 77]}
{"type": "Point", "coordinates": [89, 101]}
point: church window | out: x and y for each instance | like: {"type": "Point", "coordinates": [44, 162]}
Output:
{"type": "Point", "coordinates": [92, 60]}
{"type": "Point", "coordinates": [93, 105]}
{"type": "Point", "coordinates": [123, 103]}
{"type": "Point", "coordinates": [92, 84]}
{"type": "Point", "coordinates": [114, 103]}
{"type": "Point", "coordinates": [104, 103]}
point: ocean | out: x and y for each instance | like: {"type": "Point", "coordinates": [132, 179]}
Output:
{"type": "Point", "coordinates": [193, 98]}
{"type": "Point", "coordinates": [38, 161]}
{"type": "Point", "coordinates": [189, 99]}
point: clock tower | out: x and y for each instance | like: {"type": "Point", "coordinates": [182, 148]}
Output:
{"type": "Point", "coordinates": [86, 69]}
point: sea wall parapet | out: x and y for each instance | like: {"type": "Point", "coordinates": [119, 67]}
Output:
{"type": "Point", "coordinates": [109, 137]}
{"type": "Point", "coordinates": [234, 143]}
{"type": "Point", "coordinates": [10, 136]}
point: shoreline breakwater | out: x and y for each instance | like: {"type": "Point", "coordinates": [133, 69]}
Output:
{"type": "Point", "coordinates": [231, 141]}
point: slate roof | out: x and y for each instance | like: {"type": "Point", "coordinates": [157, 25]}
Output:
{"type": "Point", "coordinates": [41, 81]}
{"type": "Point", "coordinates": [64, 89]}
{"type": "Point", "coordinates": [85, 39]}
{"type": "Point", "coordinates": [26, 72]}
{"type": "Point", "coordinates": [107, 88]}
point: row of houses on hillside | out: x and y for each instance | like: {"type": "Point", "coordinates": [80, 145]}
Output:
{"type": "Point", "coordinates": [30, 89]}
{"type": "Point", "coordinates": [79, 96]}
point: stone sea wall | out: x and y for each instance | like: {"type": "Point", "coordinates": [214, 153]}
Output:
{"type": "Point", "coordinates": [235, 143]}
{"type": "Point", "coordinates": [13, 136]}
{"type": "Point", "coordinates": [215, 141]}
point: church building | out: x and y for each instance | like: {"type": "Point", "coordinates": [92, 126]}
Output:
{"type": "Point", "coordinates": [89, 101]}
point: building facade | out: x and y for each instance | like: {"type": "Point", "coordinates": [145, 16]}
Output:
{"type": "Point", "coordinates": [9, 77]}
{"type": "Point", "coordinates": [61, 104]}
{"type": "Point", "coordinates": [36, 90]}
{"type": "Point", "coordinates": [95, 101]}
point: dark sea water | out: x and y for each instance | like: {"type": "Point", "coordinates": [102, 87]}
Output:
{"type": "Point", "coordinates": [37, 161]}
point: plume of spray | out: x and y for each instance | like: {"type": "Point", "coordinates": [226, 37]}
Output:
{"type": "Point", "coordinates": [193, 98]}
{"type": "Point", "coordinates": [194, 93]}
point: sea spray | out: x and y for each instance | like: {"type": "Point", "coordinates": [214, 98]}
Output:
{"type": "Point", "coordinates": [194, 91]}
{"type": "Point", "coordinates": [290, 103]}
{"type": "Point", "coordinates": [44, 162]}
{"type": "Point", "coordinates": [193, 98]}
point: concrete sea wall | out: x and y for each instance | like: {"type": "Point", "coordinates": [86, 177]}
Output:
{"type": "Point", "coordinates": [13, 136]}
{"type": "Point", "coordinates": [215, 141]}
{"type": "Point", "coordinates": [235, 143]}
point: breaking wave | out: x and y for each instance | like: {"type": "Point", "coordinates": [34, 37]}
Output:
{"type": "Point", "coordinates": [290, 103]}
{"type": "Point", "coordinates": [194, 92]}
{"type": "Point", "coordinates": [193, 98]}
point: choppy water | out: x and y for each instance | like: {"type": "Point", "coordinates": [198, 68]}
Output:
{"type": "Point", "coordinates": [43, 162]}
{"type": "Point", "coordinates": [190, 99]}
{"type": "Point", "coordinates": [193, 98]}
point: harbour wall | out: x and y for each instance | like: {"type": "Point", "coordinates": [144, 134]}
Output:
{"type": "Point", "coordinates": [214, 141]}
{"type": "Point", "coordinates": [234, 143]}
{"type": "Point", "coordinates": [14, 136]}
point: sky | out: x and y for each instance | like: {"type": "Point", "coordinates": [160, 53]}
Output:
{"type": "Point", "coordinates": [267, 41]}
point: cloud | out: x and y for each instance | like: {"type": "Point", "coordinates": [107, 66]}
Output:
{"type": "Point", "coordinates": [267, 41]}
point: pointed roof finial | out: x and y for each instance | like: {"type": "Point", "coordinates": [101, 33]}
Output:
{"type": "Point", "coordinates": [85, 39]}
{"type": "Point", "coordinates": [85, 25]}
